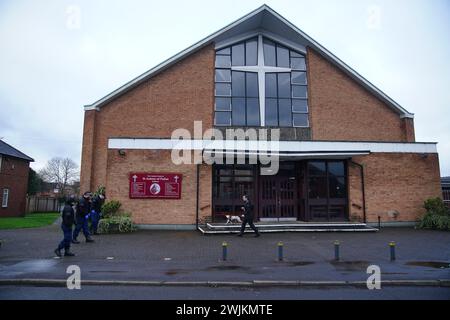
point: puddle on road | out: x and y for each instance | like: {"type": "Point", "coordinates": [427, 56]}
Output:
{"type": "Point", "coordinates": [29, 266]}
{"type": "Point", "coordinates": [299, 263]}
{"type": "Point", "coordinates": [429, 264]}
{"type": "Point", "coordinates": [350, 265]}
{"type": "Point", "coordinates": [227, 268]}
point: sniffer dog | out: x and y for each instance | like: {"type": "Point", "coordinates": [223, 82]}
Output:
{"type": "Point", "coordinates": [233, 219]}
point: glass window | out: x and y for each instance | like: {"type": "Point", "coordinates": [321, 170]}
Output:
{"type": "Point", "coordinates": [5, 198]}
{"type": "Point", "coordinates": [298, 63]}
{"type": "Point", "coordinates": [269, 53]}
{"type": "Point", "coordinates": [298, 77]}
{"type": "Point", "coordinates": [271, 112]}
{"type": "Point", "coordinates": [223, 118]}
{"type": "Point", "coordinates": [337, 187]}
{"type": "Point", "coordinates": [317, 187]}
{"type": "Point", "coordinates": [223, 75]}
{"type": "Point", "coordinates": [285, 112]}
{"type": "Point", "coordinates": [237, 55]}
{"type": "Point", "coordinates": [271, 85]}
{"type": "Point", "coordinates": [336, 168]}
{"type": "Point", "coordinates": [300, 119]}
{"type": "Point", "coordinates": [299, 92]}
{"type": "Point", "coordinates": [286, 93]}
{"type": "Point", "coordinates": [296, 54]}
{"type": "Point", "coordinates": [282, 57]}
{"type": "Point", "coordinates": [223, 89]}
{"type": "Point", "coordinates": [225, 51]}
{"type": "Point", "coordinates": [284, 85]}
{"type": "Point", "coordinates": [253, 112]}
{"type": "Point", "coordinates": [223, 104]}
{"type": "Point", "coordinates": [223, 61]}
{"type": "Point", "coordinates": [252, 84]}
{"type": "Point", "coordinates": [299, 105]}
{"type": "Point", "coordinates": [251, 52]}
{"type": "Point", "coordinates": [316, 168]}
{"type": "Point", "coordinates": [238, 81]}
{"type": "Point", "coordinates": [238, 109]}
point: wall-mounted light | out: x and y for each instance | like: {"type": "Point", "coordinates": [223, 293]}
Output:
{"type": "Point", "coordinates": [122, 152]}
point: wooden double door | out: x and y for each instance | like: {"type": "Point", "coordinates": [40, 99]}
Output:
{"type": "Point", "coordinates": [279, 194]}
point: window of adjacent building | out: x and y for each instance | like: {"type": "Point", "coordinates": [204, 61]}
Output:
{"type": "Point", "coordinates": [5, 198]}
{"type": "Point", "coordinates": [238, 98]}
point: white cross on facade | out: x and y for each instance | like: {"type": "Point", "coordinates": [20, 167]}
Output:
{"type": "Point", "coordinates": [261, 69]}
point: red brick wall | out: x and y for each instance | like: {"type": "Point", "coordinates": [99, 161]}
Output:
{"type": "Point", "coordinates": [341, 109]}
{"type": "Point", "coordinates": [158, 211]}
{"type": "Point", "coordinates": [394, 181]}
{"type": "Point", "coordinates": [87, 151]}
{"type": "Point", "coordinates": [172, 99]}
{"type": "Point", "coordinates": [14, 176]}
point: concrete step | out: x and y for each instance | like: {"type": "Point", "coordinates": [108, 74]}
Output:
{"type": "Point", "coordinates": [264, 227]}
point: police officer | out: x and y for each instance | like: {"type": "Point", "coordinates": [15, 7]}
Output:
{"type": "Point", "coordinates": [247, 216]}
{"type": "Point", "coordinates": [97, 203]}
{"type": "Point", "coordinates": [83, 211]}
{"type": "Point", "coordinates": [68, 219]}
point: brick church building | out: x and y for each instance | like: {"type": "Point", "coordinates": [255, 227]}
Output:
{"type": "Point", "coordinates": [347, 151]}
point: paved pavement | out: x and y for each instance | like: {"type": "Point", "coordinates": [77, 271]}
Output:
{"type": "Point", "coordinates": [222, 293]}
{"type": "Point", "coordinates": [190, 256]}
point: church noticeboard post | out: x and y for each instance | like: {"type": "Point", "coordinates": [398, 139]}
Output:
{"type": "Point", "coordinates": [155, 185]}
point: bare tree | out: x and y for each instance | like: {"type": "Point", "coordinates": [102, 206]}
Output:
{"type": "Point", "coordinates": [62, 171]}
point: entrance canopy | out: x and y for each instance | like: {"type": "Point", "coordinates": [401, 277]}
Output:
{"type": "Point", "coordinates": [287, 155]}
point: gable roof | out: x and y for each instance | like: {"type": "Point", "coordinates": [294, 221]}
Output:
{"type": "Point", "coordinates": [7, 150]}
{"type": "Point", "coordinates": [263, 19]}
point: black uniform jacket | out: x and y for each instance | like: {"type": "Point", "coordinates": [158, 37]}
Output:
{"type": "Point", "coordinates": [248, 211]}
{"type": "Point", "coordinates": [68, 216]}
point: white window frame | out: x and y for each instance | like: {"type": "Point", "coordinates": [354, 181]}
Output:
{"type": "Point", "coordinates": [5, 198]}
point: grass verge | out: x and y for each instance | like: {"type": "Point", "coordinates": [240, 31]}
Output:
{"type": "Point", "coordinates": [32, 220]}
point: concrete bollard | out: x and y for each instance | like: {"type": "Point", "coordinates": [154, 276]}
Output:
{"type": "Point", "coordinates": [224, 251]}
{"type": "Point", "coordinates": [392, 250]}
{"type": "Point", "coordinates": [280, 251]}
{"type": "Point", "coordinates": [336, 250]}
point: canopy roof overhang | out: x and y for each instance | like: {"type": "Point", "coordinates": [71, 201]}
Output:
{"type": "Point", "coordinates": [285, 155]}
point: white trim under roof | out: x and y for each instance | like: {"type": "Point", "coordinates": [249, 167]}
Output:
{"type": "Point", "coordinates": [277, 146]}
{"type": "Point", "coordinates": [202, 43]}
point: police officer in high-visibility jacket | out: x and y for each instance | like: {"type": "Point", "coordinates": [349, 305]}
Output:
{"type": "Point", "coordinates": [68, 219]}
{"type": "Point", "coordinates": [83, 211]}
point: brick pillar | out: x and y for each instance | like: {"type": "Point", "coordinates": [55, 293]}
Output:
{"type": "Point", "coordinates": [87, 150]}
{"type": "Point", "coordinates": [408, 128]}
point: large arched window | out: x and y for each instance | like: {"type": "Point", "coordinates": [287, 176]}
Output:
{"type": "Point", "coordinates": [259, 82]}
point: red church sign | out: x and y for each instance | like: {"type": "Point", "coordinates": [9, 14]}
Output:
{"type": "Point", "coordinates": [155, 185]}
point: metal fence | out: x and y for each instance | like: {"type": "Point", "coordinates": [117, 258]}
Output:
{"type": "Point", "coordinates": [42, 204]}
{"type": "Point", "coordinates": [446, 197]}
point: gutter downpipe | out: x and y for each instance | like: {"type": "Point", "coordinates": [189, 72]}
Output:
{"type": "Point", "coordinates": [197, 200]}
{"type": "Point", "coordinates": [361, 169]}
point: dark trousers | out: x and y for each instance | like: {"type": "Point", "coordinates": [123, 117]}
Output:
{"type": "Point", "coordinates": [250, 223]}
{"type": "Point", "coordinates": [82, 223]}
{"type": "Point", "coordinates": [95, 219]}
{"type": "Point", "coordinates": [65, 243]}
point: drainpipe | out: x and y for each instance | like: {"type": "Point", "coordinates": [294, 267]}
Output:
{"type": "Point", "coordinates": [198, 196]}
{"type": "Point", "coordinates": [361, 169]}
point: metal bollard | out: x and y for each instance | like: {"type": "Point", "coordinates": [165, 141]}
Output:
{"type": "Point", "coordinates": [280, 251]}
{"type": "Point", "coordinates": [336, 250]}
{"type": "Point", "coordinates": [392, 250]}
{"type": "Point", "coordinates": [379, 223]}
{"type": "Point", "coordinates": [224, 251]}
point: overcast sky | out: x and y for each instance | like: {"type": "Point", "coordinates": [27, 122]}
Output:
{"type": "Point", "coordinates": [57, 56]}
